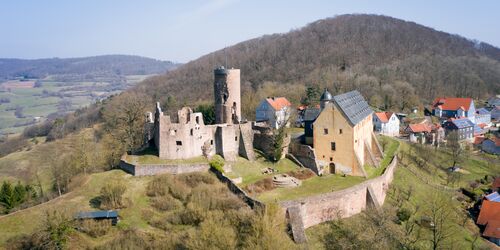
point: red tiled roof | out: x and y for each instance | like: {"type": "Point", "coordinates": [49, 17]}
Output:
{"type": "Point", "coordinates": [496, 183]}
{"type": "Point", "coordinates": [497, 141]}
{"type": "Point", "coordinates": [490, 211]}
{"type": "Point", "coordinates": [482, 125]}
{"type": "Point", "coordinates": [278, 102]}
{"type": "Point", "coordinates": [384, 116]}
{"type": "Point", "coordinates": [302, 107]}
{"type": "Point", "coordinates": [452, 103]}
{"type": "Point", "coordinates": [420, 127]}
{"type": "Point", "coordinates": [492, 229]}
{"type": "Point", "coordinates": [478, 140]}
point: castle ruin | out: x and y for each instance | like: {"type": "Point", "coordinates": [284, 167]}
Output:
{"type": "Point", "coordinates": [190, 137]}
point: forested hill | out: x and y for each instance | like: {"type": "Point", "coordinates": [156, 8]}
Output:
{"type": "Point", "coordinates": [385, 58]}
{"type": "Point", "coordinates": [102, 66]}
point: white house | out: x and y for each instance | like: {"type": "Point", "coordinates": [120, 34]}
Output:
{"type": "Point", "coordinates": [274, 111]}
{"type": "Point", "coordinates": [386, 123]}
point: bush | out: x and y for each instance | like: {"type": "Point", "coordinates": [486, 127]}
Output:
{"type": "Point", "coordinates": [111, 195]}
{"type": "Point", "coordinates": [94, 228]}
{"type": "Point", "coordinates": [158, 186]}
{"type": "Point", "coordinates": [166, 203]}
{"type": "Point", "coordinates": [217, 163]}
{"type": "Point", "coordinates": [403, 214]}
{"type": "Point", "coordinates": [194, 179]}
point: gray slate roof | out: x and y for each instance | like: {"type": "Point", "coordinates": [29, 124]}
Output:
{"type": "Point", "coordinates": [354, 106]}
{"type": "Point", "coordinates": [311, 114]}
{"type": "Point", "coordinates": [463, 123]}
{"type": "Point", "coordinates": [97, 214]}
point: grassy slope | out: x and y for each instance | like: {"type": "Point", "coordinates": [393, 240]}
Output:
{"type": "Point", "coordinates": [404, 178]}
{"type": "Point", "coordinates": [27, 221]}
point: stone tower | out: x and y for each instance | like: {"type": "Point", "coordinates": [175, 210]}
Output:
{"type": "Point", "coordinates": [227, 96]}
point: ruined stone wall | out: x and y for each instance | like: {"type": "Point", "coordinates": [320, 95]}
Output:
{"type": "Point", "coordinates": [306, 155]}
{"type": "Point", "coordinates": [155, 169]}
{"type": "Point", "coordinates": [253, 203]}
{"type": "Point", "coordinates": [344, 203]}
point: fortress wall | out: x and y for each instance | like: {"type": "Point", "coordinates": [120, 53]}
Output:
{"type": "Point", "coordinates": [343, 203]}
{"type": "Point", "coordinates": [155, 169]}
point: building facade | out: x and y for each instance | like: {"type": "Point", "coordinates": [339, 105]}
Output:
{"type": "Point", "coordinates": [343, 137]}
{"type": "Point", "coordinates": [463, 126]}
{"type": "Point", "coordinates": [483, 116]}
{"type": "Point", "coordinates": [275, 111]}
{"type": "Point", "coordinates": [453, 107]}
{"type": "Point", "coordinates": [386, 123]}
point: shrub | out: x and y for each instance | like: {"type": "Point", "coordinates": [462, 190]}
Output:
{"type": "Point", "coordinates": [193, 179]}
{"type": "Point", "coordinates": [158, 186]}
{"type": "Point", "coordinates": [165, 203]}
{"type": "Point", "coordinates": [111, 195]}
{"type": "Point", "coordinates": [403, 214]}
{"type": "Point", "coordinates": [217, 163]}
{"type": "Point", "coordinates": [94, 228]}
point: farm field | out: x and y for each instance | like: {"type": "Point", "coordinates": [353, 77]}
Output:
{"type": "Point", "coordinates": [23, 103]}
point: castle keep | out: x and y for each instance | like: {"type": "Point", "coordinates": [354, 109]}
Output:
{"type": "Point", "coordinates": [190, 137]}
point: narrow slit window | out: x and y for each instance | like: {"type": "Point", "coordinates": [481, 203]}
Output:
{"type": "Point", "coordinates": [333, 146]}
{"type": "Point", "coordinates": [325, 131]}
{"type": "Point", "coordinates": [178, 143]}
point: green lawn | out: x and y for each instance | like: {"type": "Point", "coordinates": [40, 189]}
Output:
{"type": "Point", "coordinates": [150, 156]}
{"type": "Point", "coordinates": [311, 186]}
{"type": "Point", "coordinates": [251, 171]}
{"type": "Point", "coordinates": [390, 150]}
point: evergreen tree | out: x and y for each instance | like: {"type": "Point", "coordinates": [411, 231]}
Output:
{"type": "Point", "coordinates": [6, 195]}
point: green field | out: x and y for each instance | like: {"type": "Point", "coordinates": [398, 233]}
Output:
{"type": "Point", "coordinates": [37, 104]}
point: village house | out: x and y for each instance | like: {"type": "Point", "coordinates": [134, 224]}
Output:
{"type": "Point", "coordinates": [493, 101]}
{"type": "Point", "coordinates": [491, 145]}
{"type": "Point", "coordinates": [343, 137]}
{"type": "Point", "coordinates": [495, 114]}
{"type": "Point", "coordinates": [453, 107]}
{"type": "Point", "coordinates": [483, 116]}
{"type": "Point", "coordinates": [418, 132]}
{"type": "Point", "coordinates": [489, 220]}
{"type": "Point", "coordinates": [463, 126]}
{"type": "Point", "coordinates": [386, 123]}
{"type": "Point", "coordinates": [275, 111]}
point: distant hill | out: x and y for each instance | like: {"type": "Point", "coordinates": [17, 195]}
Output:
{"type": "Point", "coordinates": [96, 66]}
{"type": "Point", "coordinates": [377, 55]}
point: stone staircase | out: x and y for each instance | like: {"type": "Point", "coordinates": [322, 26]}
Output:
{"type": "Point", "coordinates": [284, 180]}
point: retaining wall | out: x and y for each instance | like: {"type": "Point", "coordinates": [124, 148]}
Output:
{"type": "Point", "coordinates": [154, 169]}
{"type": "Point", "coordinates": [316, 209]}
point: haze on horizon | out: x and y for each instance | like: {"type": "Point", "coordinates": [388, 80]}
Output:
{"type": "Point", "coordinates": [184, 31]}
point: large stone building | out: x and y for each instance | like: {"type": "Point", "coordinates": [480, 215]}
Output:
{"type": "Point", "coordinates": [343, 134]}
{"type": "Point", "coordinates": [189, 136]}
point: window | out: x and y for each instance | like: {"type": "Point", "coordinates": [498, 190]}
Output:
{"type": "Point", "coordinates": [178, 143]}
{"type": "Point", "coordinates": [236, 138]}
{"type": "Point", "coordinates": [325, 131]}
{"type": "Point", "coordinates": [191, 132]}
{"type": "Point", "coordinates": [331, 158]}
{"type": "Point", "coordinates": [211, 142]}
{"type": "Point", "coordinates": [340, 131]}
{"type": "Point", "coordinates": [197, 120]}
{"type": "Point", "coordinates": [333, 146]}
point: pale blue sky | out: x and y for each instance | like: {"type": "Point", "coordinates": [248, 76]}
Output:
{"type": "Point", "coordinates": [185, 30]}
